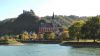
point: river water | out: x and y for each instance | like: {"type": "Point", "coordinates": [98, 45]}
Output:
{"type": "Point", "coordinates": [47, 50]}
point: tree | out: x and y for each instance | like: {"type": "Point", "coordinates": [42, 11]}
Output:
{"type": "Point", "coordinates": [25, 35]}
{"type": "Point", "coordinates": [65, 35]}
{"type": "Point", "coordinates": [52, 36]}
{"type": "Point", "coordinates": [74, 30]}
{"type": "Point", "coordinates": [49, 36]}
{"type": "Point", "coordinates": [40, 36]}
{"type": "Point", "coordinates": [92, 28]}
{"type": "Point", "coordinates": [46, 36]}
{"type": "Point", "coordinates": [34, 36]}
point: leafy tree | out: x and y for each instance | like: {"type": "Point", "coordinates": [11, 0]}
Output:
{"type": "Point", "coordinates": [52, 36]}
{"type": "Point", "coordinates": [40, 36]}
{"type": "Point", "coordinates": [25, 35]}
{"type": "Point", "coordinates": [34, 36]}
{"type": "Point", "coordinates": [46, 36]}
{"type": "Point", "coordinates": [92, 28]}
{"type": "Point", "coordinates": [65, 35]}
{"type": "Point", "coordinates": [6, 37]}
{"type": "Point", "coordinates": [74, 30]}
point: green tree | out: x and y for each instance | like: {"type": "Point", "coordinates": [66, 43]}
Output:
{"type": "Point", "coordinates": [46, 36]}
{"type": "Point", "coordinates": [40, 36]}
{"type": "Point", "coordinates": [74, 30]}
{"type": "Point", "coordinates": [64, 35]}
{"type": "Point", "coordinates": [52, 36]}
{"type": "Point", "coordinates": [34, 36]}
{"type": "Point", "coordinates": [92, 28]}
{"type": "Point", "coordinates": [24, 36]}
{"type": "Point", "coordinates": [49, 36]}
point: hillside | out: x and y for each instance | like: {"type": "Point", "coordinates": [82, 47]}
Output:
{"type": "Point", "coordinates": [24, 22]}
{"type": "Point", "coordinates": [63, 21]}
{"type": "Point", "coordinates": [28, 21]}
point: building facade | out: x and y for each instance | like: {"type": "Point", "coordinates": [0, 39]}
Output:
{"type": "Point", "coordinates": [48, 27]}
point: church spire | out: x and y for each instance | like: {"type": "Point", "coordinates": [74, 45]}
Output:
{"type": "Point", "coordinates": [53, 16]}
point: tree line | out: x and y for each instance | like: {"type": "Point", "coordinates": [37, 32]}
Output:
{"type": "Point", "coordinates": [25, 36]}
{"type": "Point", "coordinates": [89, 29]}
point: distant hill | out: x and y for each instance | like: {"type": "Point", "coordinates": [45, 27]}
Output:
{"type": "Point", "coordinates": [63, 21]}
{"type": "Point", "coordinates": [24, 22]}
{"type": "Point", "coordinates": [28, 21]}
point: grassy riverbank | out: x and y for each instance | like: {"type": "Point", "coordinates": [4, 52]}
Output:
{"type": "Point", "coordinates": [10, 42]}
{"type": "Point", "coordinates": [81, 43]}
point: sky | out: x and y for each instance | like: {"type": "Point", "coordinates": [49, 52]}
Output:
{"type": "Point", "coordinates": [13, 8]}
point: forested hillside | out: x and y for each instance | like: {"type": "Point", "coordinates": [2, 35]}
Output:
{"type": "Point", "coordinates": [28, 21]}
{"type": "Point", "coordinates": [64, 21]}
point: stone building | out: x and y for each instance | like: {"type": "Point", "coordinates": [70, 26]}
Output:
{"type": "Point", "coordinates": [48, 27]}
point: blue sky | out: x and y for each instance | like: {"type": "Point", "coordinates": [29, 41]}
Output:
{"type": "Point", "coordinates": [12, 8]}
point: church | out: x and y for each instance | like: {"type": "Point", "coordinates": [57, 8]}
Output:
{"type": "Point", "coordinates": [48, 27]}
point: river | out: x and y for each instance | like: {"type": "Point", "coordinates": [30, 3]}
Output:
{"type": "Point", "coordinates": [47, 50]}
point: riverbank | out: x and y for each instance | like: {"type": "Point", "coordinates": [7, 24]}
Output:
{"type": "Point", "coordinates": [10, 42]}
{"type": "Point", "coordinates": [21, 42]}
{"type": "Point", "coordinates": [81, 44]}
{"type": "Point", "coordinates": [42, 41]}
{"type": "Point", "coordinates": [85, 43]}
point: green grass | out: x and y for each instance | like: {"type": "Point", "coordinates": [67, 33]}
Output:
{"type": "Point", "coordinates": [11, 41]}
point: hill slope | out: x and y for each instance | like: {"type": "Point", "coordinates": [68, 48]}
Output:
{"type": "Point", "coordinates": [28, 21]}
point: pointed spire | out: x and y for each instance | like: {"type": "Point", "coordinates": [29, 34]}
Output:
{"type": "Point", "coordinates": [53, 16]}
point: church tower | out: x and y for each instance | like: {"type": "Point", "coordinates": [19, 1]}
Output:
{"type": "Point", "coordinates": [54, 23]}
{"type": "Point", "coordinates": [53, 16]}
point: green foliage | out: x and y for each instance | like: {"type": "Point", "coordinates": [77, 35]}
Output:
{"type": "Point", "coordinates": [25, 35]}
{"type": "Point", "coordinates": [46, 36]}
{"type": "Point", "coordinates": [52, 36]}
{"type": "Point", "coordinates": [25, 21]}
{"type": "Point", "coordinates": [40, 36]}
{"type": "Point", "coordinates": [34, 36]}
{"type": "Point", "coordinates": [92, 28]}
{"type": "Point", "coordinates": [64, 35]}
{"type": "Point", "coordinates": [63, 21]}
{"type": "Point", "coordinates": [74, 30]}
{"type": "Point", "coordinates": [11, 41]}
